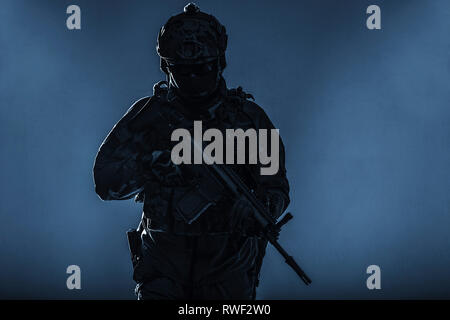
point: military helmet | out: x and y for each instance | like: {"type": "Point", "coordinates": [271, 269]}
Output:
{"type": "Point", "coordinates": [191, 37]}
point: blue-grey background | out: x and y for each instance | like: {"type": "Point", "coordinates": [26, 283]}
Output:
{"type": "Point", "coordinates": [364, 116]}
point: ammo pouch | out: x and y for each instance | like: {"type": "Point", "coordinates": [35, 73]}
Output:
{"type": "Point", "coordinates": [204, 190]}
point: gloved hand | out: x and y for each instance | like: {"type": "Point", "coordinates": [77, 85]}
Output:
{"type": "Point", "coordinates": [244, 222]}
{"type": "Point", "coordinates": [275, 201]}
{"type": "Point", "coordinates": [242, 219]}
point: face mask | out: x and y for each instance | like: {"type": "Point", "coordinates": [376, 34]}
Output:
{"type": "Point", "coordinates": [195, 81]}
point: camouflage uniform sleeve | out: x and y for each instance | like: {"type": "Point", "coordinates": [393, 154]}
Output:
{"type": "Point", "coordinates": [275, 187]}
{"type": "Point", "coordinates": [118, 169]}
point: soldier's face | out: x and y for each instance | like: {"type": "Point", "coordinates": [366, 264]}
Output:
{"type": "Point", "coordinates": [195, 81]}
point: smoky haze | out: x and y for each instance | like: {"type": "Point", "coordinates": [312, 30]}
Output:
{"type": "Point", "coordinates": [364, 116]}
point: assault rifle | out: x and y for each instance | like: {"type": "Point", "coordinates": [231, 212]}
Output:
{"type": "Point", "coordinates": [270, 227]}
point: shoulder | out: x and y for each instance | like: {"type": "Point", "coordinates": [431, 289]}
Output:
{"type": "Point", "coordinates": [253, 109]}
{"type": "Point", "coordinates": [250, 107]}
{"type": "Point", "coordinates": [120, 131]}
{"type": "Point", "coordinates": [159, 95]}
{"type": "Point", "coordinates": [148, 102]}
{"type": "Point", "coordinates": [245, 100]}
{"type": "Point", "coordinates": [137, 106]}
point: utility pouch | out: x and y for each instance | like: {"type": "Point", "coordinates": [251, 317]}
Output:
{"type": "Point", "coordinates": [205, 190]}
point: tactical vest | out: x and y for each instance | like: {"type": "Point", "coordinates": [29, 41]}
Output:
{"type": "Point", "coordinates": [180, 199]}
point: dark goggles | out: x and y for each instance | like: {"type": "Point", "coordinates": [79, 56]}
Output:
{"type": "Point", "coordinates": [197, 69]}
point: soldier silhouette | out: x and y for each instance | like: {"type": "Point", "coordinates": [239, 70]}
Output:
{"type": "Point", "coordinates": [215, 253]}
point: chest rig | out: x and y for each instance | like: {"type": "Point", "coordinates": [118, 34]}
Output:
{"type": "Point", "coordinates": [182, 199]}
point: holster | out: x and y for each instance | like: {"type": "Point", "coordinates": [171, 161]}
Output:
{"type": "Point", "coordinates": [135, 245]}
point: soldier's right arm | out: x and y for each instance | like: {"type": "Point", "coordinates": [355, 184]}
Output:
{"type": "Point", "coordinates": [119, 165]}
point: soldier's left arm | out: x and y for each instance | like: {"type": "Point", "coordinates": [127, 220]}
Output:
{"type": "Point", "coordinates": [275, 187]}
